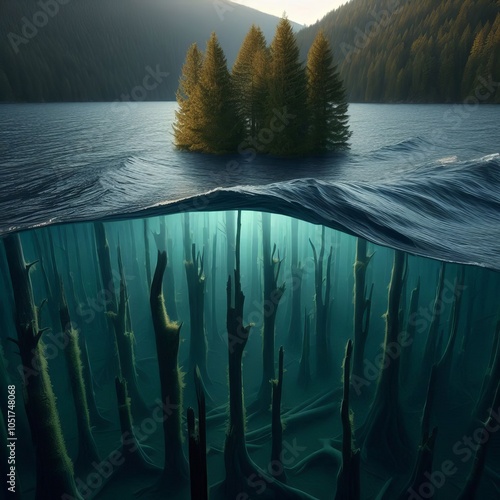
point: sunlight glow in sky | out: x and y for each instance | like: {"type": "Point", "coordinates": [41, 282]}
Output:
{"type": "Point", "coordinates": [300, 11]}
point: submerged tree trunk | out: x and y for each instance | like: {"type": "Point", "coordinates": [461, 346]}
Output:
{"type": "Point", "coordinates": [213, 297]}
{"type": "Point", "coordinates": [271, 299]}
{"type": "Point", "coordinates": [54, 470]}
{"type": "Point", "coordinates": [195, 276]}
{"type": "Point", "coordinates": [230, 236]}
{"type": "Point", "coordinates": [348, 479]}
{"type": "Point", "coordinates": [277, 425]}
{"type": "Point", "coordinates": [167, 335]}
{"type": "Point", "coordinates": [444, 366]}
{"type": "Point", "coordinates": [423, 465]}
{"type": "Point", "coordinates": [171, 301]}
{"type": "Point", "coordinates": [125, 342]}
{"type": "Point", "coordinates": [135, 460]}
{"type": "Point", "coordinates": [491, 378]}
{"type": "Point", "coordinates": [164, 243]}
{"type": "Point", "coordinates": [385, 439]}
{"type": "Point", "coordinates": [431, 344]}
{"type": "Point", "coordinates": [147, 254]}
{"type": "Point", "coordinates": [294, 329]}
{"type": "Point", "coordinates": [239, 467]}
{"type": "Point", "coordinates": [362, 306]}
{"type": "Point", "coordinates": [51, 297]}
{"type": "Point", "coordinates": [88, 378]}
{"type": "Point", "coordinates": [117, 313]}
{"type": "Point", "coordinates": [304, 377]}
{"type": "Point", "coordinates": [323, 358]}
{"type": "Point", "coordinates": [87, 448]}
{"type": "Point", "coordinates": [468, 337]}
{"type": "Point", "coordinates": [411, 326]}
{"type": "Point", "coordinates": [474, 479]}
{"type": "Point", "coordinates": [104, 260]}
{"type": "Point", "coordinates": [198, 445]}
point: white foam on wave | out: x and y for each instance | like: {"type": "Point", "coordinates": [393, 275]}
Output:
{"type": "Point", "coordinates": [491, 157]}
{"type": "Point", "coordinates": [448, 160]}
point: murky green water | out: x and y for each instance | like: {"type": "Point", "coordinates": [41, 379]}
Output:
{"type": "Point", "coordinates": [451, 321]}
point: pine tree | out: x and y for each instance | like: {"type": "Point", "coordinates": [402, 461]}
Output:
{"type": "Point", "coordinates": [249, 80]}
{"type": "Point", "coordinates": [184, 127]}
{"type": "Point", "coordinates": [214, 121]}
{"type": "Point", "coordinates": [327, 105]}
{"type": "Point", "coordinates": [474, 62]}
{"type": "Point", "coordinates": [287, 117]}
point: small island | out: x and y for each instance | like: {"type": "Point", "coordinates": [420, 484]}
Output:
{"type": "Point", "coordinates": [268, 104]}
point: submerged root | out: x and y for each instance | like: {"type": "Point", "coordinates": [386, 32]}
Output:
{"type": "Point", "coordinates": [328, 456]}
{"type": "Point", "coordinates": [292, 421]}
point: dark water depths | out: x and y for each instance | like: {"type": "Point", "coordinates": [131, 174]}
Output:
{"type": "Point", "coordinates": [423, 179]}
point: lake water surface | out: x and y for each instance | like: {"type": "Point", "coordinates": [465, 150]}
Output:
{"type": "Point", "coordinates": [424, 178]}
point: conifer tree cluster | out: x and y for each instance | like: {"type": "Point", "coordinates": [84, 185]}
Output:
{"type": "Point", "coordinates": [269, 103]}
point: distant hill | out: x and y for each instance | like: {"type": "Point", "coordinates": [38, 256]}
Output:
{"type": "Point", "coordinates": [415, 50]}
{"type": "Point", "coordinates": [100, 49]}
{"type": "Point", "coordinates": [387, 50]}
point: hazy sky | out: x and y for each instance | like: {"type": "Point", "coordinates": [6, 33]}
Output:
{"type": "Point", "coordinates": [300, 11]}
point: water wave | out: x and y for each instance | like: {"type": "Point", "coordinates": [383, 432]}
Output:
{"type": "Point", "coordinates": [450, 214]}
{"type": "Point", "coordinates": [408, 184]}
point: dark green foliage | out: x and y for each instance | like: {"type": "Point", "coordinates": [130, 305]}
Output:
{"type": "Point", "coordinates": [287, 93]}
{"type": "Point", "coordinates": [99, 50]}
{"type": "Point", "coordinates": [268, 105]}
{"type": "Point", "coordinates": [327, 105]}
{"type": "Point", "coordinates": [427, 51]}
{"type": "Point", "coordinates": [212, 119]}
{"type": "Point", "coordinates": [190, 77]}
{"type": "Point", "coordinates": [249, 80]}
{"type": "Point", "coordinates": [387, 50]}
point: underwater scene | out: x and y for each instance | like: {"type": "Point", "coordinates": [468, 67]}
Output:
{"type": "Point", "coordinates": [244, 355]}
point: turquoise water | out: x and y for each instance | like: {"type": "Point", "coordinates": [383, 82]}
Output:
{"type": "Point", "coordinates": [420, 179]}
{"type": "Point", "coordinates": [458, 389]}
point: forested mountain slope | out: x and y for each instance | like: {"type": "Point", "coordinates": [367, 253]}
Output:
{"type": "Point", "coordinates": [100, 49]}
{"type": "Point", "coordinates": [387, 50]}
{"type": "Point", "coordinates": [415, 50]}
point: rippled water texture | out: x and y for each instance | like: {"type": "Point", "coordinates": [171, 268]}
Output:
{"type": "Point", "coordinates": [423, 178]}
